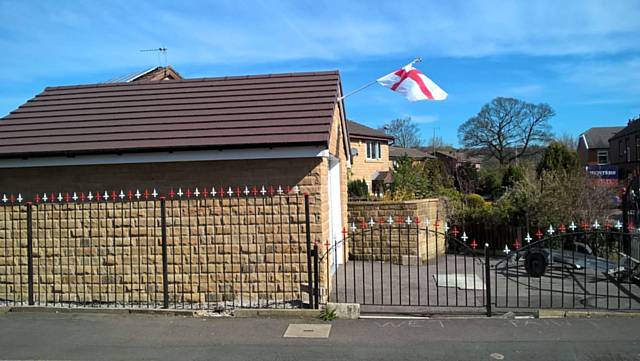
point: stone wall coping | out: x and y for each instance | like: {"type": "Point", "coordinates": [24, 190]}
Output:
{"type": "Point", "coordinates": [384, 203]}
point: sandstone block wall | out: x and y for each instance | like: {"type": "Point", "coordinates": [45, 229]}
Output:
{"type": "Point", "coordinates": [238, 251]}
{"type": "Point", "coordinates": [364, 168]}
{"type": "Point", "coordinates": [400, 242]}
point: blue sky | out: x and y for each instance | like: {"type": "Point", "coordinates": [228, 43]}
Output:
{"type": "Point", "coordinates": [581, 57]}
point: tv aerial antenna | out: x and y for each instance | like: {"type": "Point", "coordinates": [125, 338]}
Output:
{"type": "Point", "coordinates": [162, 55]}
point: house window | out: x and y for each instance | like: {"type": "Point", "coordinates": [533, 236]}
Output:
{"type": "Point", "coordinates": [603, 157]}
{"type": "Point", "coordinates": [620, 150]}
{"type": "Point", "coordinates": [627, 151]}
{"type": "Point", "coordinates": [373, 150]}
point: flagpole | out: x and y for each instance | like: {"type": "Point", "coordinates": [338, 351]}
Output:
{"type": "Point", "coordinates": [416, 60]}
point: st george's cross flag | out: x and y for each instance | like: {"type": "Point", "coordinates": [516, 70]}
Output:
{"type": "Point", "coordinates": [413, 84]}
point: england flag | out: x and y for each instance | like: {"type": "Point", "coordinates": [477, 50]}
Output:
{"type": "Point", "coordinates": [413, 84]}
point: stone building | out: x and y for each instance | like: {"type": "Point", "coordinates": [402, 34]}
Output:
{"type": "Point", "coordinates": [370, 152]}
{"type": "Point", "coordinates": [624, 148]}
{"type": "Point", "coordinates": [274, 130]}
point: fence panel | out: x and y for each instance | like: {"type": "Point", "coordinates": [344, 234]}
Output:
{"type": "Point", "coordinates": [402, 266]}
{"type": "Point", "coordinates": [209, 249]}
{"type": "Point", "coordinates": [586, 268]}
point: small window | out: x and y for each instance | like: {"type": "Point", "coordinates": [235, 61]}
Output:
{"type": "Point", "coordinates": [603, 157]}
{"type": "Point", "coordinates": [373, 150]}
{"type": "Point", "coordinates": [620, 151]}
{"type": "Point", "coordinates": [627, 150]}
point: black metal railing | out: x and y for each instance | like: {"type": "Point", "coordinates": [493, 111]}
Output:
{"type": "Point", "coordinates": [405, 264]}
{"type": "Point", "coordinates": [401, 265]}
{"type": "Point", "coordinates": [208, 249]}
{"type": "Point", "coordinates": [588, 268]}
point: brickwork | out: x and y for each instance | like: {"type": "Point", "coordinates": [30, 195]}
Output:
{"type": "Point", "coordinates": [400, 242]}
{"type": "Point", "coordinates": [241, 251]}
{"type": "Point", "coordinates": [364, 168]}
{"type": "Point", "coordinates": [310, 174]}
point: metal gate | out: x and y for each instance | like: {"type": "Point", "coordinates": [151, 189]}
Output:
{"type": "Point", "coordinates": [400, 265]}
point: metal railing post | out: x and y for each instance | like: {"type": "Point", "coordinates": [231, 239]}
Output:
{"type": "Point", "coordinates": [165, 265]}
{"type": "Point", "coordinates": [487, 278]}
{"type": "Point", "coordinates": [30, 251]}
{"type": "Point", "coordinates": [316, 277]}
{"type": "Point", "coordinates": [307, 220]}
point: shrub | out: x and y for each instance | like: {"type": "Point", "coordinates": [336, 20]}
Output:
{"type": "Point", "coordinates": [557, 158]}
{"type": "Point", "coordinates": [358, 188]}
{"type": "Point", "coordinates": [422, 180]}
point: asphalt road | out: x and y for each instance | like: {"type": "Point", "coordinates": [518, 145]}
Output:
{"type": "Point", "coordinates": [144, 337]}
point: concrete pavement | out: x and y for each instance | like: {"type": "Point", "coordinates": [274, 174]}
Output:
{"type": "Point", "coordinates": [53, 336]}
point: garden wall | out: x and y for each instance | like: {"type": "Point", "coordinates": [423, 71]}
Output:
{"type": "Point", "coordinates": [400, 242]}
{"type": "Point", "coordinates": [240, 251]}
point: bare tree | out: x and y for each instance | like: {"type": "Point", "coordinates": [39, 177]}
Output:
{"type": "Point", "coordinates": [568, 140]}
{"type": "Point", "coordinates": [437, 143]}
{"type": "Point", "coordinates": [404, 131]}
{"type": "Point", "coordinates": [506, 127]}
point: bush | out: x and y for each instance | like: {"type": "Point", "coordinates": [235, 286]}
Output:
{"type": "Point", "coordinates": [475, 201]}
{"type": "Point", "coordinates": [467, 178]}
{"type": "Point", "coordinates": [491, 183]}
{"type": "Point", "coordinates": [512, 174]}
{"type": "Point", "coordinates": [422, 180]}
{"type": "Point", "coordinates": [358, 188]}
{"type": "Point", "coordinates": [557, 158]}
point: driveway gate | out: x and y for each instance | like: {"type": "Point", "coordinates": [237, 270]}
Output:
{"type": "Point", "coordinates": [401, 265]}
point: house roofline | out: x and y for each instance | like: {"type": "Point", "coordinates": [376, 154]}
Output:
{"type": "Point", "coordinates": [165, 156]}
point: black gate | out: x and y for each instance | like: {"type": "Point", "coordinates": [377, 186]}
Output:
{"type": "Point", "coordinates": [401, 265]}
{"type": "Point", "coordinates": [584, 266]}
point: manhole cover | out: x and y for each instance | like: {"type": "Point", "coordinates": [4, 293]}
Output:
{"type": "Point", "coordinates": [461, 281]}
{"type": "Point", "coordinates": [308, 330]}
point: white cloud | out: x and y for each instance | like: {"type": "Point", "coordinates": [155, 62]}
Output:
{"type": "Point", "coordinates": [423, 118]}
{"type": "Point", "coordinates": [81, 36]}
{"type": "Point", "coordinates": [606, 80]}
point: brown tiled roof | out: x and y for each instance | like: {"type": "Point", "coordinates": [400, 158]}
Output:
{"type": "Point", "coordinates": [357, 130]}
{"type": "Point", "coordinates": [397, 152]}
{"type": "Point", "coordinates": [241, 111]}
